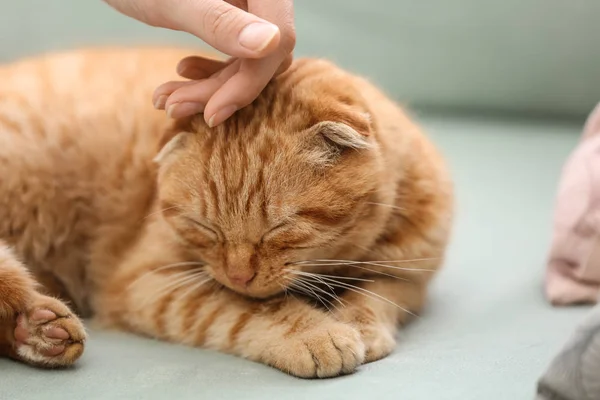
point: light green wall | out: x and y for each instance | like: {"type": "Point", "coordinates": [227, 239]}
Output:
{"type": "Point", "coordinates": [510, 55]}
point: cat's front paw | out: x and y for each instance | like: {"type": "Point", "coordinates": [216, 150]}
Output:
{"type": "Point", "coordinates": [378, 338]}
{"type": "Point", "coordinates": [379, 342]}
{"type": "Point", "coordinates": [321, 352]}
{"type": "Point", "coordinates": [48, 335]}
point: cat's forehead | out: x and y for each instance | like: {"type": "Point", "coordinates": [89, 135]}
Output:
{"type": "Point", "coordinates": [256, 160]}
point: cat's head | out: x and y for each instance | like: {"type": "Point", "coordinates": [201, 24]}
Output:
{"type": "Point", "coordinates": [286, 179]}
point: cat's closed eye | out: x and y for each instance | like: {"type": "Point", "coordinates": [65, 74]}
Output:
{"type": "Point", "coordinates": [289, 236]}
{"type": "Point", "coordinates": [274, 231]}
{"type": "Point", "coordinates": [197, 233]}
{"type": "Point", "coordinates": [203, 227]}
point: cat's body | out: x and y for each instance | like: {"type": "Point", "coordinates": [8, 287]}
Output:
{"type": "Point", "coordinates": [321, 167]}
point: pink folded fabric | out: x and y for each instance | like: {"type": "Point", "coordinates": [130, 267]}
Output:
{"type": "Point", "coordinates": [573, 270]}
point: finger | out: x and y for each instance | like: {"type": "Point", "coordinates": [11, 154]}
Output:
{"type": "Point", "coordinates": [196, 67]}
{"type": "Point", "coordinates": [193, 67]}
{"type": "Point", "coordinates": [184, 109]}
{"type": "Point", "coordinates": [285, 65]}
{"type": "Point", "coordinates": [245, 86]}
{"type": "Point", "coordinates": [179, 102]}
{"type": "Point", "coordinates": [225, 27]}
{"type": "Point", "coordinates": [242, 89]}
{"type": "Point", "coordinates": [162, 93]}
{"type": "Point", "coordinates": [280, 13]}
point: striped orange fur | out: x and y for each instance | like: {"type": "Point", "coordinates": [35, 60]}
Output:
{"type": "Point", "coordinates": [301, 233]}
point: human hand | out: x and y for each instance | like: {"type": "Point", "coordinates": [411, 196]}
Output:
{"type": "Point", "coordinates": [257, 34]}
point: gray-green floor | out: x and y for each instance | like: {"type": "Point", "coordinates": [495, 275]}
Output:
{"type": "Point", "coordinates": [487, 334]}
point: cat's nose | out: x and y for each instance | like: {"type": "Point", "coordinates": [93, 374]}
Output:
{"type": "Point", "coordinates": [241, 277]}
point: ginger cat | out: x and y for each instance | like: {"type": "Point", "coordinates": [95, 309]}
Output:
{"type": "Point", "coordinates": [301, 233]}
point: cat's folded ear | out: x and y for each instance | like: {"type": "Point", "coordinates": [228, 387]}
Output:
{"type": "Point", "coordinates": [174, 138]}
{"type": "Point", "coordinates": [342, 136]}
{"type": "Point", "coordinates": [345, 130]}
{"type": "Point", "coordinates": [176, 141]}
{"type": "Point", "coordinates": [331, 140]}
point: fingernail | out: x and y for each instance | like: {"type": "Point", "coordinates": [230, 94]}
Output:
{"type": "Point", "coordinates": [181, 68]}
{"type": "Point", "coordinates": [160, 102]}
{"type": "Point", "coordinates": [221, 115]}
{"type": "Point", "coordinates": [185, 109]}
{"type": "Point", "coordinates": [257, 35]}
{"type": "Point", "coordinates": [192, 72]}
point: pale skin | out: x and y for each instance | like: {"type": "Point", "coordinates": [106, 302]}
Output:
{"type": "Point", "coordinates": [258, 35]}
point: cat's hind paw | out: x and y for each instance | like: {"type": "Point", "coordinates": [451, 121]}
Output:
{"type": "Point", "coordinates": [48, 335]}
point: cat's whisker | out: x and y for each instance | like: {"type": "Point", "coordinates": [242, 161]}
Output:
{"type": "Point", "coordinates": [308, 289]}
{"type": "Point", "coordinates": [195, 286]}
{"type": "Point", "coordinates": [322, 300]}
{"type": "Point", "coordinates": [407, 260]}
{"type": "Point", "coordinates": [349, 263]}
{"type": "Point", "coordinates": [284, 289]}
{"type": "Point", "coordinates": [316, 277]}
{"type": "Point", "coordinates": [294, 287]}
{"type": "Point", "coordinates": [188, 282]}
{"type": "Point", "coordinates": [176, 281]}
{"type": "Point", "coordinates": [368, 293]}
{"type": "Point", "coordinates": [381, 273]}
{"type": "Point", "coordinates": [323, 282]}
{"type": "Point", "coordinates": [176, 278]}
{"type": "Point", "coordinates": [387, 205]}
{"type": "Point", "coordinates": [331, 294]}
{"type": "Point", "coordinates": [376, 264]}
{"type": "Point", "coordinates": [159, 211]}
{"type": "Point", "coordinates": [355, 265]}
{"type": "Point", "coordinates": [304, 273]}
{"type": "Point", "coordinates": [165, 267]}
{"type": "Point", "coordinates": [364, 269]}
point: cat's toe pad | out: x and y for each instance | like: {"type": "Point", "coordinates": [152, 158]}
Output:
{"type": "Point", "coordinates": [49, 335]}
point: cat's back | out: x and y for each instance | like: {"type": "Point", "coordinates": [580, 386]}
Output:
{"type": "Point", "coordinates": [75, 88]}
{"type": "Point", "coordinates": [112, 69]}
{"type": "Point", "coordinates": [82, 117]}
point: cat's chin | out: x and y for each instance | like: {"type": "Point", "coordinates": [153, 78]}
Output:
{"type": "Point", "coordinates": [256, 293]}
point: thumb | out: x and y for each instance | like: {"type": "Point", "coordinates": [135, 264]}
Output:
{"type": "Point", "coordinates": [225, 27]}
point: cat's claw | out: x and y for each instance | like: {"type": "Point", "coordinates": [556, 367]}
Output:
{"type": "Point", "coordinates": [49, 335]}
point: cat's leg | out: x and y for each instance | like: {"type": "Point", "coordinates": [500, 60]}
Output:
{"type": "Point", "coordinates": [286, 333]}
{"type": "Point", "coordinates": [16, 285]}
{"type": "Point", "coordinates": [34, 328]}
{"type": "Point", "coordinates": [378, 309]}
